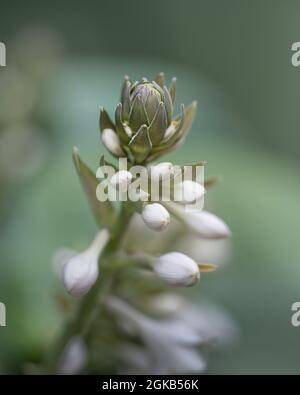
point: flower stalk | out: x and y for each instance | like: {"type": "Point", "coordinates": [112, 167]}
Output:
{"type": "Point", "coordinates": [81, 320]}
{"type": "Point", "coordinates": [144, 129]}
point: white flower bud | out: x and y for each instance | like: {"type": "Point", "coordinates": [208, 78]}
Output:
{"type": "Point", "coordinates": [162, 171]}
{"type": "Point", "coordinates": [60, 258]}
{"type": "Point", "coordinates": [177, 269]}
{"type": "Point", "coordinates": [111, 141]}
{"type": "Point", "coordinates": [169, 132]}
{"type": "Point", "coordinates": [189, 192]}
{"type": "Point", "coordinates": [81, 272]}
{"type": "Point", "coordinates": [155, 216]}
{"type": "Point", "coordinates": [121, 180]}
{"type": "Point", "coordinates": [206, 225]}
{"type": "Point", "coordinates": [74, 357]}
{"type": "Point", "coordinates": [128, 130]}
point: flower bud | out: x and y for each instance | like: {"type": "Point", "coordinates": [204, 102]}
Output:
{"type": "Point", "coordinates": [177, 269]}
{"type": "Point", "coordinates": [144, 121]}
{"type": "Point", "coordinates": [60, 258]}
{"type": "Point", "coordinates": [188, 192]}
{"type": "Point", "coordinates": [162, 171]}
{"type": "Point", "coordinates": [74, 357]}
{"type": "Point", "coordinates": [81, 272]}
{"type": "Point", "coordinates": [150, 98]}
{"type": "Point", "coordinates": [111, 141]}
{"type": "Point", "coordinates": [121, 180]}
{"type": "Point", "coordinates": [155, 216]}
{"type": "Point", "coordinates": [206, 225]}
{"type": "Point", "coordinates": [171, 130]}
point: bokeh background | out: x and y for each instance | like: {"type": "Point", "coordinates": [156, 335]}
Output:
{"type": "Point", "coordinates": [64, 59]}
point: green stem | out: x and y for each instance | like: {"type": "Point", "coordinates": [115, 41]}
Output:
{"type": "Point", "coordinates": [86, 310]}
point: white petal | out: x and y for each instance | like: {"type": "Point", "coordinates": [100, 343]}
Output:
{"type": "Point", "coordinates": [60, 258]}
{"type": "Point", "coordinates": [155, 216]}
{"type": "Point", "coordinates": [168, 342]}
{"type": "Point", "coordinates": [208, 322]}
{"type": "Point", "coordinates": [74, 357]}
{"type": "Point", "coordinates": [136, 357]}
{"type": "Point", "coordinates": [186, 360]}
{"type": "Point", "coordinates": [176, 331]}
{"type": "Point", "coordinates": [206, 224]}
{"type": "Point", "coordinates": [211, 323]}
{"type": "Point", "coordinates": [162, 171]}
{"type": "Point", "coordinates": [121, 180]}
{"type": "Point", "coordinates": [169, 132]}
{"type": "Point", "coordinates": [177, 269]}
{"type": "Point", "coordinates": [166, 304]}
{"type": "Point", "coordinates": [188, 192]}
{"type": "Point", "coordinates": [81, 272]}
{"type": "Point", "coordinates": [217, 251]}
{"type": "Point", "coordinates": [111, 140]}
{"type": "Point", "coordinates": [172, 358]}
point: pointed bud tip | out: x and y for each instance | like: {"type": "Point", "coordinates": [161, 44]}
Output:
{"type": "Point", "coordinates": [75, 150]}
{"type": "Point", "coordinates": [207, 225]}
{"type": "Point", "coordinates": [75, 156]}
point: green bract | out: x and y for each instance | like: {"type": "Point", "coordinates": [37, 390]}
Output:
{"type": "Point", "coordinates": [143, 129]}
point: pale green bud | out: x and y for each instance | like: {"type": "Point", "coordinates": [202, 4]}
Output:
{"type": "Point", "coordinates": [143, 121]}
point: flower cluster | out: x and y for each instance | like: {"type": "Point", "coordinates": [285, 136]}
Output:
{"type": "Point", "coordinates": [144, 129]}
{"type": "Point", "coordinates": [169, 330]}
{"type": "Point", "coordinates": [172, 343]}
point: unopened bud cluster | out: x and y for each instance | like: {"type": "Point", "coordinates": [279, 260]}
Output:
{"type": "Point", "coordinates": [144, 129]}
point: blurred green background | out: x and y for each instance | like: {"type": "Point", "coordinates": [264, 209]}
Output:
{"type": "Point", "coordinates": [232, 56]}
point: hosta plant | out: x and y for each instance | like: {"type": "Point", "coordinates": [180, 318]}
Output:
{"type": "Point", "coordinates": [124, 314]}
